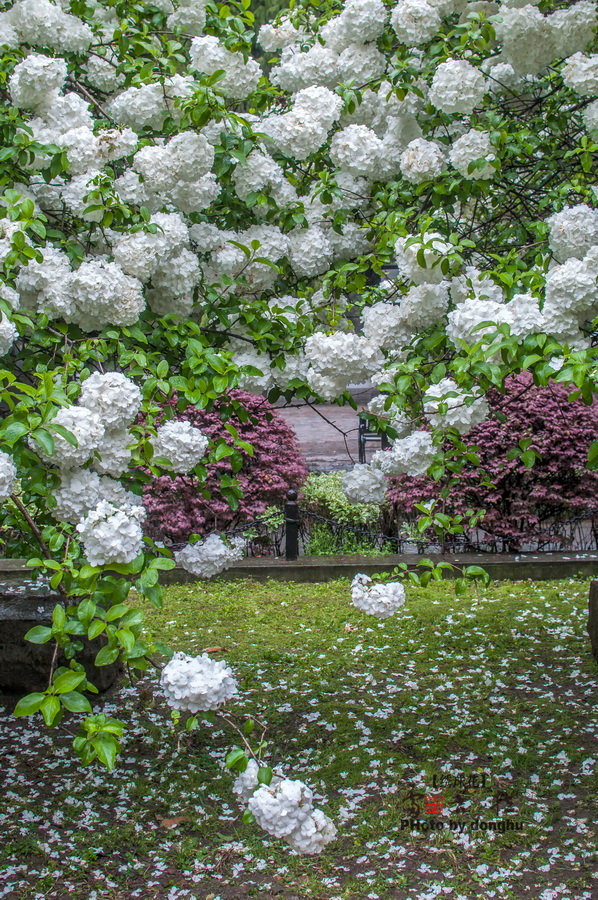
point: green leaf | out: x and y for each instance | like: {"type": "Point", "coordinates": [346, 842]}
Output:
{"type": "Point", "coordinates": [68, 681]}
{"type": "Point", "coordinates": [75, 702]}
{"type": "Point", "coordinates": [593, 456]}
{"type": "Point", "coordinates": [264, 775]}
{"type": "Point", "coordinates": [115, 612]}
{"type": "Point", "coordinates": [45, 440]}
{"type": "Point", "coordinates": [106, 656]}
{"type": "Point", "coordinates": [50, 709]}
{"type": "Point", "coordinates": [13, 431]}
{"type": "Point", "coordinates": [106, 747]}
{"type": "Point", "coordinates": [236, 760]}
{"type": "Point", "coordinates": [58, 617]}
{"type": "Point", "coordinates": [95, 629]}
{"type": "Point", "coordinates": [29, 704]}
{"type": "Point", "coordinates": [40, 634]}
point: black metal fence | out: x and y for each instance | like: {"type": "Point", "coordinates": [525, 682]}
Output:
{"type": "Point", "coordinates": [297, 531]}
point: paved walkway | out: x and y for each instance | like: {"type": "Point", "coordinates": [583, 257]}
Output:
{"type": "Point", "coordinates": [327, 434]}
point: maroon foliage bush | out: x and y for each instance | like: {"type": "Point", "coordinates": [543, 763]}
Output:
{"type": "Point", "coordinates": [175, 506]}
{"type": "Point", "coordinates": [519, 501]}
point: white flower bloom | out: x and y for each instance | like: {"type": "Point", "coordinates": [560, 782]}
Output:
{"type": "Point", "coordinates": [312, 834]}
{"type": "Point", "coordinates": [208, 55]}
{"type": "Point", "coordinates": [181, 444]}
{"type": "Point", "coordinates": [573, 231]}
{"type": "Point", "coordinates": [415, 21]}
{"type": "Point", "coordinates": [581, 74]}
{"type": "Point", "coordinates": [35, 78]}
{"type": "Point", "coordinates": [338, 360]}
{"type": "Point", "coordinates": [590, 117]}
{"type": "Point", "coordinates": [8, 476]}
{"type": "Point", "coordinates": [197, 684]}
{"type": "Point", "coordinates": [279, 36]}
{"type": "Point", "coordinates": [102, 294]}
{"type": "Point", "coordinates": [421, 160]}
{"type": "Point", "coordinates": [474, 283]}
{"type": "Point", "coordinates": [111, 534]}
{"type": "Point", "coordinates": [457, 87]}
{"type": "Point", "coordinates": [209, 557]}
{"type": "Point", "coordinates": [44, 24]}
{"type": "Point", "coordinates": [87, 429]}
{"type": "Point", "coordinates": [148, 106]}
{"type": "Point", "coordinates": [101, 72]}
{"type": "Point", "coordinates": [281, 810]}
{"type": "Point", "coordinates": [411, 455]}
{"type": "Point", "coordinates": [8, 334]}
{"type": "Point", "coordinates": [81, 490]}
{"type": "Point", "coordinates": [365, 484]}
{"type": "Point", "coordinates": [377, 599]}
{"type": "Point", "coordinates": [357, 150]}
{"type": "Point", "coordinates": [113, 396]}
{"type": "Point", "coordinates": [459, 414]}
{"type": "Point", "coordinates": [114, 455]}
{"type": "Point", "coordinates": [246, 783]}
{"type": "Point", "coordinates": [472, 147]}
{"type": "Point", "coordinates": [361, 63]}
{"type": "Point", "coordinates": [301, 69]}
{"type": "Point", "coordinates": [310, 251]}
{"type": "Point", "coordinates": [190, 17]}
{"type": "Point", "coordinates": [434, 248]}
{"type": "Point", "coordinates": [572, 287]}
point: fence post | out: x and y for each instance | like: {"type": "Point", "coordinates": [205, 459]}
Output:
{"type": "Point", "coordinates": [363, 427]}
{"type": "Point", "coordinates": [291, 519]}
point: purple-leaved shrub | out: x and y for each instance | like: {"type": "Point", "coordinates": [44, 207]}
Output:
{"type": "Point", "coordinates": [520, 500]}
{"type": "Point", "coordinates": [175, 506]}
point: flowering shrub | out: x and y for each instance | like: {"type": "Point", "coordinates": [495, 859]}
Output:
{"type": "Point", "coordinates": [265, 469]}
{"type": "Point", "coordinates": [178, 219]}
{"type": "Point", "coordinates": [531, 467]}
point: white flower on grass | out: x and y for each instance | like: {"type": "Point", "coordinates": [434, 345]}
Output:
{"type": "Point", "coordinates": [8, 475]}
{"type": "Point", "coordinates": [364, 484]}
{"type": "Point", "coordinates": [280, 810]}
{"type": "Point", "coordinates": [111, 534]}
{"type": "Point", "coordinates": [197, 683]}
{"type": "Point", "coordinates": [247, 783]}
{"type": "Point", "coordinates": [459, 414]}
{"type": "Point", "coordinates": [313, 834]}
{"type": "Point", "coordinates": [381, 599]}
{"type": "Point", "coordinates": [113, 396]}
{"type": "Point", "coordinates": [181, 444]}
{"type": "Point", "coordinates": [412, 455]}
{"type": "Point", "coordinates": [209, 557]}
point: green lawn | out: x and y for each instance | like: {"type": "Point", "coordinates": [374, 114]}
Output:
{"type": "Point", "coordinates": [483, 704]}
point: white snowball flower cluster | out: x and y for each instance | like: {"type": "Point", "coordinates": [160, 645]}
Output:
{"type": "Point", "coordinates": [34, 79]}
{"type": "Point", "coordinates": [460, 414]}
{"type": "Point", "coordinates": [474, 283]}
{"type": "Point", "coordinates": [581, 74]}
{"type": "Point", "coordinates": [411, 455]}
{"type": "Point", "coordinates": [360, 22]}
{"type": "Point", "coordinates": [8, 334]}
{"type": "Point", "coordinates": [197, 683]}
{"type": "Point", "coordinates": [472, 147]}
{"type": "Point", "coordinates": [8, 476]}
{"type": "Point", "coordinates": [111, 534]}
{"type": "Point", "coordinates": [44, 24]}
{"type": "Point", "coordinates": [113, 396]}
{"type": "Point", "coordinates": [240, 78]}
{"type": "Point", "coordinates": [590, 117]}
{"type": "Point", "coordinates": [573, 231]}
{"type": "Point", "coordinates": [178, 172]}
{"type": "Point", "coordinates": [572, 287]}
{"type": "Point", "coordinates": [457, 87]}
{"type": "Point", "coordinates": [434, 248]}
{"type": "Point", "coordinates": [261, 173]}
{"type": "Point", "coordinates": [421, 160]}
{"type": "Point", "coordinates": [338, 360]}
{"type": "Point", "coordinates": [357, 150]}
{"type": "Point", "coordinates": [149, 105]}
{"type": "Point", "coordinates": [364, 484]}
{"type": "Point", "coordinates": [301, 69]}
{"type": "Point", "coordinates": [189, 17]}
{"type": "Point", "coordinates": [143, 254]}
{"type": "Point", "coordinates": [304, 128]}
{"type": "Point", "coordinates": [310, 251]}
{"type": "Point", "coordinates": [381, 599]}
{"type": "Point", "coordinates": [278, 36]}
{"type": "Point", "coordinates": [181, 444]}
{"type": "Point", "coordinates": [86, 427]}
{"type": "Point", "coordinates": [209, 557]}
{"type": "Point", "coordinates": [286, 810]}
{"type": "Point", "coordinates": [415, 21]}
{"type": "Point", "coordinates": [81, 490]}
